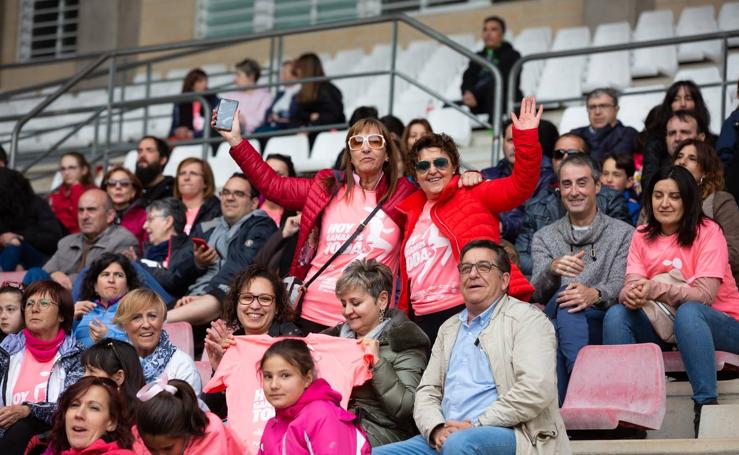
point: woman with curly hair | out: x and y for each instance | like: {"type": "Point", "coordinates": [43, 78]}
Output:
{"type": "Point", "coordinates": [29, 231]}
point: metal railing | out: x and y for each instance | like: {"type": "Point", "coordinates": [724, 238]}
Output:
{"type": "Point", "coordinates": [276, 56]}
{"type": "Point", "coordinates": [517, 67]}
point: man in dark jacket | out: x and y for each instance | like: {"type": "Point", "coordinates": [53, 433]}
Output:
{"type": "Point", "coordinates": [234, 239]}
{"type": "Point", "coordinates": [546, 207]}
{"type": "Point", "coordinates": [153, 155]}
{"type": "Point", "coordinates": [477, 81]}
{"type": "Point", "coordinates": [605, 134]}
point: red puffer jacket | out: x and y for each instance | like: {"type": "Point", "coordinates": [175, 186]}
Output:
{"type": "Point", "coordinates": [466, 214]}
{"type": "Point", "coordinates": [309, 196]}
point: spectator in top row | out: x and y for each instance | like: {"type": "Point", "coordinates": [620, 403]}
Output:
{"type": "Point", "coordinates": [605, 134]}
{"type": "Point", "coordinates": [29, 231]}
{"type": "Point", "coordinates": [316, 103]}
{"type": "Point", "coordinates": [188, 119]}
{"type": "Point", "coordinates": [253, 102]}
{"type": "Point", "coordinates": [277, 116]}
{"type": "Point", "coordinates": [477, 81]}
{"type": "Point", "coordinates": [76, 179]}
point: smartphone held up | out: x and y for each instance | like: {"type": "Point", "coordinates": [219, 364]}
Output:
{"type": "Point", "coordinates": [225, 115]}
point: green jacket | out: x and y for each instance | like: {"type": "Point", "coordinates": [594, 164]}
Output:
{"type": "Point", "coordinates": [384, 405]}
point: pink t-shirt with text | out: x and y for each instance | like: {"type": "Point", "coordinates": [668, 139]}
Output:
{"type": "Point", "coordinates": [342, 362]}
{"type": "Point", "coordinates": [708, 257]}
{"type": "Point", "coordinates": [432, 269]}
{"type": "Point", "coordinates": [380, 240]}
{"type": "Point", "coordinates": [32, 380]}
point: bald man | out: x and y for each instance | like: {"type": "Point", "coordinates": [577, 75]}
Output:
{"type": "Point", "coordinates": [98, 235]}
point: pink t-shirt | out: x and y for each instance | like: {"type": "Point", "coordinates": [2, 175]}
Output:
{"type": "Point", "coordinates": [190, 216]}
{"type": "Point", "coordinates": [32, 380]}
{"type": "Point", "coordinates": [342, 362]}
{"type": "Point", "coordinates": [380, 240]}
{"type": "Point", "coordinates": [275, 214]}
{"type": "Point", "coordinates": [707, 258]}
{"type": "Point", "coordinates": [253, 104]}
{"type": "Point", "coordinates": [432, 269]}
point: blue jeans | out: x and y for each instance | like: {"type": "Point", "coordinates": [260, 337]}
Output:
{"type": "Point", "coordinates": [574, 332]}
{"type": "Point", "coordinates": [25, 254]}
{"type": "Point", "coordinates": [699, 330]}
{"type": "Point", "coordinates": [481, 441]}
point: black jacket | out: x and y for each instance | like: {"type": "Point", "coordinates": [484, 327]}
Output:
{"type": "Point", "coordinates": [479, 80]}
{"type": "Point", "coordinates": [618, 139]}
{"type": "Point", "coordinates": [182, 115]}
{"type": "Point", "coordinates": [38, 225]}
{"type": "Point", "coordinates": [161, 190]}
{"type": "Point", "coordinates": [328, 105]}
{"type": "Point", "coordinates": [181, 270]}
{"type": "Point", "coordinates": [210, 209]}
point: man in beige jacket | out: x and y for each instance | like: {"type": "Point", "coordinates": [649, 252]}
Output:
{"type": "Point", "coordinates": [490, 385]}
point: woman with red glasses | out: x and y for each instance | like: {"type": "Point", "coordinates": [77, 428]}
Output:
{"type": "Point", "coordinates": [442, 218]}
{"type": "Point", "coordinates": [333, 204]}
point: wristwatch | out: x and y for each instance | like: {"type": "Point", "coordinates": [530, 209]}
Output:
{"type": "Point", "coordinates": [599, 300]}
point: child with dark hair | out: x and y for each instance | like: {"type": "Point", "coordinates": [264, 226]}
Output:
{"type": "Point", "coordinates": [11, 317]}
{"type": "Point", "coordinates": [308, 415]}
{"type": "Point", "coordinates": [618, 174]}
{"type": "Point", "coordinates": [116, 360]}
{"type": "Point", "coordinates": [169, 420]}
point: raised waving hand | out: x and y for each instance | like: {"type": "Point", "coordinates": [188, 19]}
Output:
{"type": "Point", "coordinates": [528, 117]}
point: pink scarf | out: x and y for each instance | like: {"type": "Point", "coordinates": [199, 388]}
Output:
{"type": "Point", "coordinates": [43, 351]}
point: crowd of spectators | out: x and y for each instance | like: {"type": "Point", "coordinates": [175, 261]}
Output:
{"type": "Point", "coordinates": [448, 305]}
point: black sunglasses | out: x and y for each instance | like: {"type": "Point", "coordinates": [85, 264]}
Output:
{"type": "Point", "coordinates": [561, 153]}
{"type": "Point", "coordinates": [440, 163]}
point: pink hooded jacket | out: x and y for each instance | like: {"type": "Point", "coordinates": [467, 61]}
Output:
{"type": "Point", "coordinates": [315, 424]}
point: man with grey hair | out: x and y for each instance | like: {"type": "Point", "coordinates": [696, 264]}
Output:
{"type": "Point", "coordinates": [579, 264]}
{"type": "Point", "coordinates": [98, 235]}
{"type": "Point", "coordinates": [605, 134]}
{"type": "Point", "coordinates": [170, 257]}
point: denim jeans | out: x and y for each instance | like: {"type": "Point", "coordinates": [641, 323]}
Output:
{"type": "Point", "coordinates": [481, 441]}
{"type": "Point", "coordinates": [574, 332]}
{"type": "Point", "coordinates": [25, 254]}
{"type": "Point", "coordinates": [699, 330]}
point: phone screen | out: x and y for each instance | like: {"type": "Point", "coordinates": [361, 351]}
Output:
{"type": "Point", "coordinates": [226, 112]}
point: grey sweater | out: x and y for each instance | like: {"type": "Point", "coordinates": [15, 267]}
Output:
{"type": "Point", "coordinates": [606, 247]}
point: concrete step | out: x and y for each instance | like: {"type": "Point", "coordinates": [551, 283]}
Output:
{"type": "Point", "coordinates": [719, 421]}
{"type": "Point", "coordinates": [657, 447]}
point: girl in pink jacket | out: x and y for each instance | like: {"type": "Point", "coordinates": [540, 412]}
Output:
{"type": "Point", "coordinates": [308, 418]}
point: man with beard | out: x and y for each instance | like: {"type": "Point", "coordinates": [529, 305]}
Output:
{"type": "Point", "coordinates": [579, 264]}
{"type": "Point", "coordinates": [153, 154]}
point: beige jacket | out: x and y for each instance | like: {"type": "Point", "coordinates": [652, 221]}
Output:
{"type": "Point", "coordinates": [521, 348]}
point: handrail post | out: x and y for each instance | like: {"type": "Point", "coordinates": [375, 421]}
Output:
{"type": "Point", "coordinates": [109, 126]}
{"type": "Point", "coordinates": [206, 125]}
{"type": "Point", "coordinates": [96, 138]}
{"type": "Point", "coordinates": [271, 60]}
{"type": "Point", "coordinates": [724, 75]}
{"type": "Point", "coordinates": [147, 94]}
{"type": "Point", "coordinates": [393, 55]}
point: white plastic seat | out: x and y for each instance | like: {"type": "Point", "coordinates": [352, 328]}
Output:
{"type": "Point", "coordinates": [179, 153]}
{"type": "Point", "coordinates": [728, 18]}
{"type": "Point", "coordinates": [707, 75]}
{"type": "Point", "coordinates": [326, 148]}
{"type": "Point", "coordinates": [562, 77]}
{"type": "Point", "coordinates": [223, 165]}
{"type": "Point", "coordinates": [573, 117]}
{"type": "Point", "coordinates": [449, 121]}
{"type": "Point", "coordinates": [652, 61]}
{"type": "Point", "coordinates": [56, 181]}
{"type": "Point", "coordinates": [129, 162]}
{"type": "Point", "coordinates": [633, 109]}
{"type": "Point", "coordinates": [609, 69]}
{"type": "Point", "coordinates": [695, 21]}
{"type": "Point", "coordinates": [295, 146]}
{"type": "Point", "coordinates": [532, 41]}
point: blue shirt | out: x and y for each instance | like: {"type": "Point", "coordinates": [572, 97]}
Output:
{"type": "Point", "coordinates": [469, 386]}
{"type": "Point", "coordinates": [81, 327]}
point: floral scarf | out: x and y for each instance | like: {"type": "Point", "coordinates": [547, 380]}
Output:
{"type": "Point", "coordinates": [155, 363]}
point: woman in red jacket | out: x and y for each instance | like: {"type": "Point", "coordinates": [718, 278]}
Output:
{"type": "Point", "coordinates": [76, 179]}
{"type": "Point", "coordinates": [333, 204]}
{"type": "Point", "coordinates": [442, 218]}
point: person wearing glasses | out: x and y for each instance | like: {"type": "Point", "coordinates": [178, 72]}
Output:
{"type": "Point", "coordinates": [77, 177]}
{"type": "Point", "coordinates": [37, 365]}
{"type": "Point", "coordinates": [490, 385]}
{"type": "Point", "coordinates": [124, 189]}
{"type": "Point", "coordinates": [256, 304]}
{"type": "Point", "coordinates": [383, 405]}
{"type": "Point", "coordinates": [196, 188]}
{"type": "Point", "coordinates": [546, 206]}
{"type": "Point", "coordinates": [441, 217]}
{"type": "Point", "coordinates": [11, 316]}
{"type": "Point", "coordinates": [605, 133]}
{"type": "Point", "coordinates": [333, 204]}
{"type": "Point", "coordinates": [579, 264]}
{"type": "Point", "coordinates": [233, 240]}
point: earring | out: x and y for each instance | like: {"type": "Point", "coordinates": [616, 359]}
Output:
{"type": "Point", "coordinates": [700, 182]}
{"type": "Point", "coordinates": [382, 314]}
